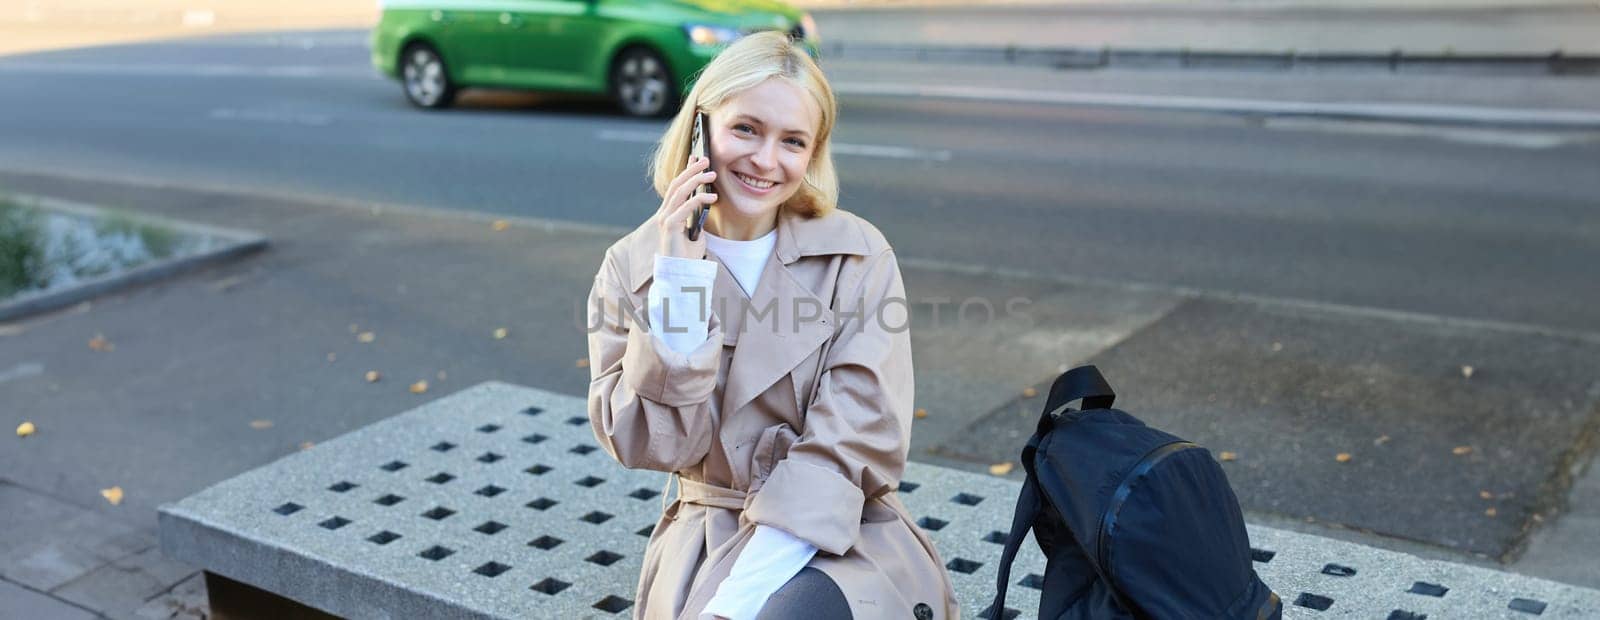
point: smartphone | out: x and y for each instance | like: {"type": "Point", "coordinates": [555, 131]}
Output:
{"type": "Point", "coordinates": [700, 146]}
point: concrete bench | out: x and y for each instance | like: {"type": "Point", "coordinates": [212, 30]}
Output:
{"type": "Point", "coordinates": [495, 502]}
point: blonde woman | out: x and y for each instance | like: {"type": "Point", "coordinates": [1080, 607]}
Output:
{"type": "Point", "coordinates": [765, 365]}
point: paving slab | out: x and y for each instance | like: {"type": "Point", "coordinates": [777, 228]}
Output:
{"type": "Point", "coordinates": [25, 604]}
{"type": "Point", "coordinates": [1438, 454]}
{"type": "Point", "coordinates": [185, 601]}
{"type": "Point", "coordinates": [48, 542]}
{"type": "Point", "coordinates": [122, 588]}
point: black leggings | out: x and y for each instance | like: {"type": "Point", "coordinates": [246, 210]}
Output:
{"type": "Point", "coordinates": [809, 595]}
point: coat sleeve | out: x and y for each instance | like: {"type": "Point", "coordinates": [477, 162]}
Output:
{"type": "Point", "coordinates": [648, 404]}
{"type": "Point", "coordinates": [857, 425]}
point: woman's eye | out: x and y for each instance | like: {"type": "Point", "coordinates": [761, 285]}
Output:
{"type": "Point", "coordinates": [797, 142]}
{"type": "Point", "coordinates": [744, 128]}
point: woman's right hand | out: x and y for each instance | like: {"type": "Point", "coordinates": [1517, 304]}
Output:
{"type": "Point", "coordinates": [678, 206]}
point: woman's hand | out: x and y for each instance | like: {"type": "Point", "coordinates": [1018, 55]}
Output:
{"type": "Point", "coordinates": [678, 206]}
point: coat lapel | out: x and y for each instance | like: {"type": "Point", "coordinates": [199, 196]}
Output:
{"type": "Point", "coordinates": [784, 321]}
{"type": "Point", "coordinates": [782, 324]}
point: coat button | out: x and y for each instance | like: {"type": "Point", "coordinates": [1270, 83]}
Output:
{"type": "Point", "coordinates": [922, 611]}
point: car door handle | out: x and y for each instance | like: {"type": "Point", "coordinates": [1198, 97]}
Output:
{"type": "Point", "coordinates": [514, 21]}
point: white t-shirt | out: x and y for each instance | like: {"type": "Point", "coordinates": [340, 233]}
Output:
{"type": "Point", "coordinates": [679, 308]}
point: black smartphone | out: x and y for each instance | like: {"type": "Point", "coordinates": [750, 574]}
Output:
{"type": "Point", "coordinates": [700, 146]}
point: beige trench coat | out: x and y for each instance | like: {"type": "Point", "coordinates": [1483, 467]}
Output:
{"type": "Point", "coordinates": [795, 414]}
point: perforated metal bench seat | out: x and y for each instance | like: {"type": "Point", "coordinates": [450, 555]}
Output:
{"type": "Point", "coordinates": [495, 502]}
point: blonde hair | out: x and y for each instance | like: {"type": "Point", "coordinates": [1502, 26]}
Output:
{"type": "Point", "coordinates": [743, 65]}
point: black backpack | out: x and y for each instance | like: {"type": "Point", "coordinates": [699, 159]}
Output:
{"type": "Point", "coordinates": [1133, 522]}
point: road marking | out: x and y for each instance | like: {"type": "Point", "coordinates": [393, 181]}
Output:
{"type": "Point", "coordinates": [271, 116]}
{"type": "Point", "coordinates": [1467, 135]}
{"type": "Point", "coordinates": [841, 148]}
{"type": "Point", "coordinates": [22, 371]}
{"type": "Point", "coordinates": [1386, 111]}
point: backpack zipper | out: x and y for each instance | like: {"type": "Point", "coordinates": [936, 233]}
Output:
{"type": "Point", "coordinates": [1109, 518]}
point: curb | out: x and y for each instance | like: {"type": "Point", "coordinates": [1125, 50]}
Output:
{"type": "Point", "coordinates": [238, 243]}
{"type": "Point", "coordinates": [1399, 112]}
{"type": "Point", "coordinates": [1088, 58]}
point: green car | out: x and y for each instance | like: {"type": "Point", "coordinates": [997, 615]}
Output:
{"type": "Point", "coordinates": [643, 54]}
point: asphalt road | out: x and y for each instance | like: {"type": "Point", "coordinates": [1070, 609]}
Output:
{"type": "Point", "coordinates": [1495, 229]}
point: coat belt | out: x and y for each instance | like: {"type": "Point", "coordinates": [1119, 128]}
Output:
{"type": "Point", "coordinates": [706, 494]}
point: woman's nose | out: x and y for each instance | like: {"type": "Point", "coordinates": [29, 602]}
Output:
{"type": "Point", "coordinates": [766, 156]}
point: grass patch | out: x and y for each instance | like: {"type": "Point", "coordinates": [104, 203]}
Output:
{"type": "Point", "coordinates": [42, 249]}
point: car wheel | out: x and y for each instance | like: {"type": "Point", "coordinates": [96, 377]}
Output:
{"type": "Point", "coordinates": [642, 84]}
{"type": "Point", "coordinates": [422, 73]}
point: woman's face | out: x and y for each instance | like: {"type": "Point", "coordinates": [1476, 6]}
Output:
{"type": "Point", "coordinates": [762, 141]}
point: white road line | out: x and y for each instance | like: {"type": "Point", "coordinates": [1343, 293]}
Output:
{"type": "Point", "coordinates": [271, 116]}
{"type": "Point", "coordinates": [859, 150]}
{"type": "Point", "coordinates": [1521, 139]}
{"type": "Point", "coordinates": [1389, 111]}
{"type": "Point", "coordinates": [22, 371]}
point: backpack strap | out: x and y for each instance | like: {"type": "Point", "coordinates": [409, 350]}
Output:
{"type": "Point", "coordinates": [1027, 510]}
{"type": "Point", "coordinates": [1082, 383]}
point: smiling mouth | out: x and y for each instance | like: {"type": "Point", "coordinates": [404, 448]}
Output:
{"type": "Point", "coordinates": [754, 182]}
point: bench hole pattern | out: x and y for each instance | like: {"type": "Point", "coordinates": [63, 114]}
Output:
{"type": "Point", "coordinates": [528, 488]}
{"type": "Point", "coordinates": [492, 492]}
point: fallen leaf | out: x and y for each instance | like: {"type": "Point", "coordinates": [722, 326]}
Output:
{"type": "Point", "coordinates": [373, 376]}
{"type": "Point", "coordinates": [1381, 440]}
{"type": "Point", "coordinates": [1343, 457]}
{"type": "Point", "coordinates": [99, 343]}
{"type": "Point", "coordinates": [500, 225]}
{"type": "Point", "coordinates": [1228, 456]}
{"type": "Point", "coordinates": [583, 362]}
{"type": "Point", "coordinates": [1490, 511]}
{"type": "Point", "coordinates": [1485, 495]}
{"type": "Point", "coordinates": [367, 337]}
{"type": "Point", "coordinates": [1462, 450]}
{"type": "Point", "coordinates": [1030, 393]}
{"type": "Point", "coordinates": [1001, 469]}
{"type": "Point", "coordinates": [1466, 371]}
{"type": "Point", "coordinates": [226, 283]}
{"type": "Point", "coordinates": [332, 357]}
{"type": "Point", "coordinates": [500, 333]}
{"type": "Point", "coordinates": [260, 424]}
{"type": "Point", "coordinates": [306, 445]}
{"type": "Point", "coordinates": [921, 413]}
{"type": "Point", "coordinates": [419, 387]}
{"type": "Point", "coordinates": [25, 429]}
{"type": "Point", "coordinates": [1277, 346]}
{"type": "Point", "coordinates": [113, 495]}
